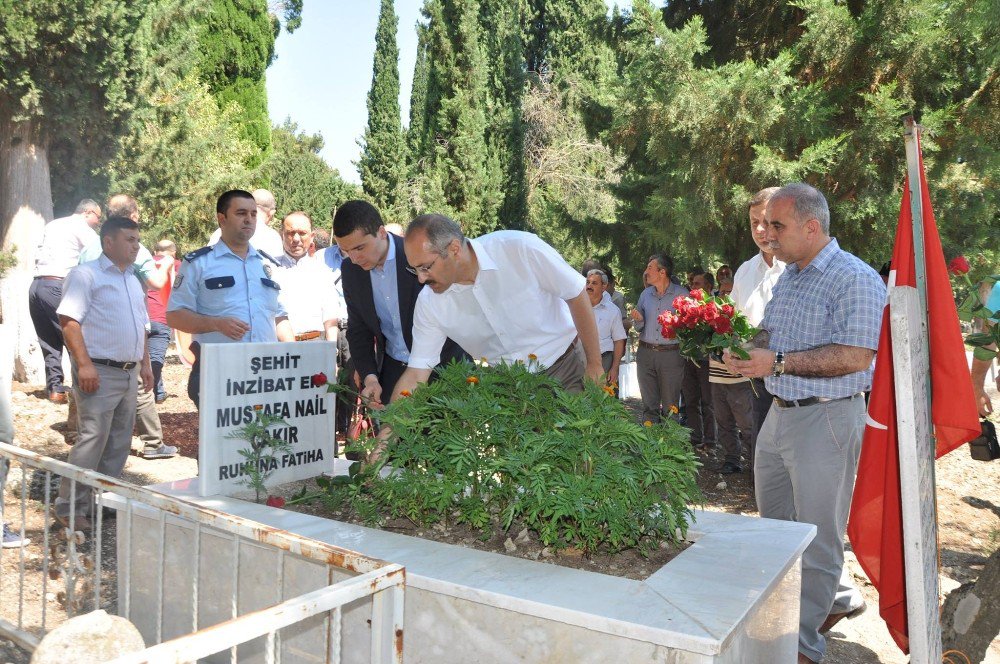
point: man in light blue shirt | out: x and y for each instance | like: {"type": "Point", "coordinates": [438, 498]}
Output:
{"type": "Point", "coordinates": [820, 333]}
{"type": "Point", "coordinates": [224, 292]}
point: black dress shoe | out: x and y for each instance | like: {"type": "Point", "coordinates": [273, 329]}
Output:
{"type": "Point", "coordinates": [728, 468]}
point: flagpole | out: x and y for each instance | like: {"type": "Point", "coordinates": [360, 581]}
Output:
{"type": "Point", "coordinates": [911, 364]}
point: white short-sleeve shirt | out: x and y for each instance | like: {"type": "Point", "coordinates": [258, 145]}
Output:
{"type": "Point", "coordinates": [310, 295]}
{"type": "Point", "coordinates": [515, 308]}
{"type": "Point", "coordinates": [753, 285]}
{"type": "Point", "coordinates": [63, 241]}
{"type": "Point", "coordinates": [609, 323]}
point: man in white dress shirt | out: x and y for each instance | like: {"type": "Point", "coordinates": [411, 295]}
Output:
{"type": "Point", "coordinates": [506, 296]}
{"type": "Point", "coordinates": [103, 316]}
{"type": "Point", "coordinates": [62, 243]}
{"type": "Point", "coordinates": [310, 291]}
{"type": "Point", "coordinates": [752, 286]}
{"type": "Point", "coordinates": [610, 330]}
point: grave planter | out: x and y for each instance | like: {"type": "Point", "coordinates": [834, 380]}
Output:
{"type": "Point", "coordinates": [733, 596]}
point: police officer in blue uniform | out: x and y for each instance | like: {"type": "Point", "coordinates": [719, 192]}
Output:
{"type": "Point", "coordinates": [224, 293]}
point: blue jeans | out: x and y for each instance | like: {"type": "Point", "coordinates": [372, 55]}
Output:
{"type": "Point", "coordinates": [159, 339]}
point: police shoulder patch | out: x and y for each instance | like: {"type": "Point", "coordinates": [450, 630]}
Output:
{"type": "Point", "coordinates": [190, 256]}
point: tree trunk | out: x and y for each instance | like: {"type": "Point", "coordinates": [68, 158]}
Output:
{"type": "Point", "coordinates": [970, 617]}
{"type": "Point", "coordinates": [25, 206]}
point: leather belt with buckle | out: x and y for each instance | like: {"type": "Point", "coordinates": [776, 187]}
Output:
{"type": "Point", "coordinates": [117, 365]}
{"type": "Point", "coordinates": [658, 347]}
{"type": "Point", "coordinates": [811, 401]}
{"type": "Point", "coordinates": [306, 336]}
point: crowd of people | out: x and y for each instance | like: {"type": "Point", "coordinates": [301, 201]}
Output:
{"type": "Point", "coordinates": [399, 303]}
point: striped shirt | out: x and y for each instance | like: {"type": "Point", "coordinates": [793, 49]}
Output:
{"type": "Point", "coordinates": [836, 299]}
{"type": "Point", "coordinates": [110, 306]}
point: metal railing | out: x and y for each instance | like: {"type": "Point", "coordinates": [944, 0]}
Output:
{"type": "Point", "coordinates": [79, 570]}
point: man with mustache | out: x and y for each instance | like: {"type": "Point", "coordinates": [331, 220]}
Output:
{"type": "Point", "coordinates": [506, 297]}
{"type": "Point", "coordinates": [380, 290]}
{"type": "Point", "coordinates": [225, 292]}
{"type": "Point", "coordinates": [819, 336]}
{"type": "Point", "coordinates": [610, 331]}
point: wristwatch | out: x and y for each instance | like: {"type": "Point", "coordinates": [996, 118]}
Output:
{"type": "Point", "coordinates": [779, 364]}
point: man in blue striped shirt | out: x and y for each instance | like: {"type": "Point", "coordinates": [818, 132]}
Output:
{"type": "Point", "coordinates": [820, 334]}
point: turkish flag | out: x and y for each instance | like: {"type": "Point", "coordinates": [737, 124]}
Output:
{"type": "Point", "coordinates": [876, 521]}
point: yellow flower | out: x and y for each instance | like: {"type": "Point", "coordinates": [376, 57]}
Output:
{"type": "Point", "coordinates": [258, 407]}
{"type": "Point", "coordinates": [532, 357]}
{"type": "Point", "coordinates": [609, 390]}
{"type": "Point", "coordinates": [484, 362]}
{"type": "Point", "coordinates": [472, 380]}
{"type": "Point", "coordinates": [673, 410]}
{"type": "Point", "coordinates": [405, 393]}
{"type": "Point", "coordinates": [647, 423]}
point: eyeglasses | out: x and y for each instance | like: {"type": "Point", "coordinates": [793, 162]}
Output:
{"type": "Point", "coordinates": [422, 269]}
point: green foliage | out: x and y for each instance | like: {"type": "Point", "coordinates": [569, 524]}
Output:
{"type": "Point", "coordinates": [237, 46]}
{"type": "Point", "coordinates": [495, 446]}
{"type": "Point", "coordinates": [264, 447]}
{"type": "Point", "coordinates": [383, 158]}
{"type": "Point", "coordinates": [71, 70]}
{"type": "Point", "coordinates": [8, 260]}
{"type": "Point", "coordinates": [305, 182]}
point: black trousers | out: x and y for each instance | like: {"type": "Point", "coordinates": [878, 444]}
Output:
{"type": "Point", "coordinates": [43, 300]}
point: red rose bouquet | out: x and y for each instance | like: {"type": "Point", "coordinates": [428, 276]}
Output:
{"type": "Point", "coordinates": [706, 325]}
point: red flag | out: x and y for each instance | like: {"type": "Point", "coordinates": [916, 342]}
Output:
{"type": "Point", "coordinates": [876, 520]}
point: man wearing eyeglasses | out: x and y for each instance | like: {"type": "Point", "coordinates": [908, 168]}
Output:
{"type": "Point", "coordinates": [63, 241]}
{"type": "Point", "coordinates": [381, 290]}
{"type": "Point", "coordinates": [506, 296]}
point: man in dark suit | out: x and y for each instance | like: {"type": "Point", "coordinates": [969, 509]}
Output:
{"type": "Point", "coordinates": [380, 289]}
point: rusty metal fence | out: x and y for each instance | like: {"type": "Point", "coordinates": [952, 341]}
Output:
{"type": "Point", "coordinates": [67, 570]}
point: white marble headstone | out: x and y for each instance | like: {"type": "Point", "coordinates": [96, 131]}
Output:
{"type": "Point", "coordinates": [278, 378]}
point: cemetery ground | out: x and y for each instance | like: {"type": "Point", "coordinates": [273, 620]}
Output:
{"type": "Point", "coordinates": [967, 495]}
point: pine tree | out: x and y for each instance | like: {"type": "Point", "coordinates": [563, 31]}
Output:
{"type": "Point", "coordinates": [383, 159]}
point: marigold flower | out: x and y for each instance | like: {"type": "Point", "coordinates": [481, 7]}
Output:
{"type": "Point", "coordinates": [405, 393]}
{"type": "Point", "coordinates": [258, 407]}
{"type": "Point", "coordinates": [472, 380]}
{"type": "Point", "coordinates": [673, 409]}
{"type": "Point", "coordinates": [647, 423]}
{"type": "Point", "coordinates": [532, 357]}
{"type": "Point", "coordinates": [609, 390]}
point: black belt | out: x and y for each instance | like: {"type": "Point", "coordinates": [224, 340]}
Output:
{"type": "Point", "coordinates": [117, 365]}
{"type": "Point", "coordinates": [811, 401]}
{"type": "Point", "coordinates": [658, 347]}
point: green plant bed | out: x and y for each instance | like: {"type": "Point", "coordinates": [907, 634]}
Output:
{"type": "Point", "coordinates": [491, 447]}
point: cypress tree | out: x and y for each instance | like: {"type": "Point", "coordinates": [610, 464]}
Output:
{"type": "Point", "coordinates": [383, 158]}
{"type": "Point", "coordinates": [237, 46]}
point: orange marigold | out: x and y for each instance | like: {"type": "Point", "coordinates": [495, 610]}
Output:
{"type": "Point", "coordinates": [405, 393]}
{"type": "Point", "coordinates": [532, 357]}
{"type": "Point", "coordinates": [258, 407]}
{"type": "Point", "coordinates": [647, 423]}
{"type": "Point", "coordinates": [472, 380]}
{"type": "Point", "coordinates": [674, 410]}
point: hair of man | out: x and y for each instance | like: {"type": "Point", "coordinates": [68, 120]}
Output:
{"type": "Point", "coordinates": [763, 196]}
{"type": "Point", "coordinates": [114, 224]}
{"type": "Point", "coordinates": [88, 205]}
{"type": "Point", "coordinates": [299, 213]}
{"type": "Point", "coordinates": [166, 245]}
{"type": "Point", "coordinates": [807, 202]}
{"type": "Point", "coordinates": [355, 215]}
{"type": "Point", "coordinates": [600, 273]}
{"type": "Point", "coordinates": [665, 262]}
{"type": "Point", "coordinates": [265, 199]}
{"type": "Point", "coordinates": [123, 205]}
{"type": "Point", "coordinates": [439, 230]}
{"type": "Point", "coordinates": [222, 205]}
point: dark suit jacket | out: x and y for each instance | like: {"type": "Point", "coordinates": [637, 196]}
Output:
{"type": "Point", "coordinates": [364, 331]}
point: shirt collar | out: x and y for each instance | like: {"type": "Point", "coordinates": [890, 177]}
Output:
{"type": "Point", "coordinates": [486, 261]}
{"type": "Point", "coordinates": [823, 258]}
{"type": "Point", "coordinates": [105, 263]}
{"type": "Point", "coordinates": [391, 256]}
{"type": "Point", "coordinates": [220, 248]}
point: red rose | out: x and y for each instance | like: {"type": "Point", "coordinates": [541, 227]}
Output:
{"type": "Point", "coordinates": [277, 501]}
{"type": "Point", "coordinates": [958, 265]}
{"type": "Point", "coordinates": [728, 310]}
{"type": "Point", "coordinates": [722, 325]}
{"type": "Point", "coordinates": [319, 380]}
{"type": "Point", "coordinates": [697, 294]}
{"type": "Point", "coordinates": [669, 332]}
{"type": "Point", "coordinates": [710, 311]}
